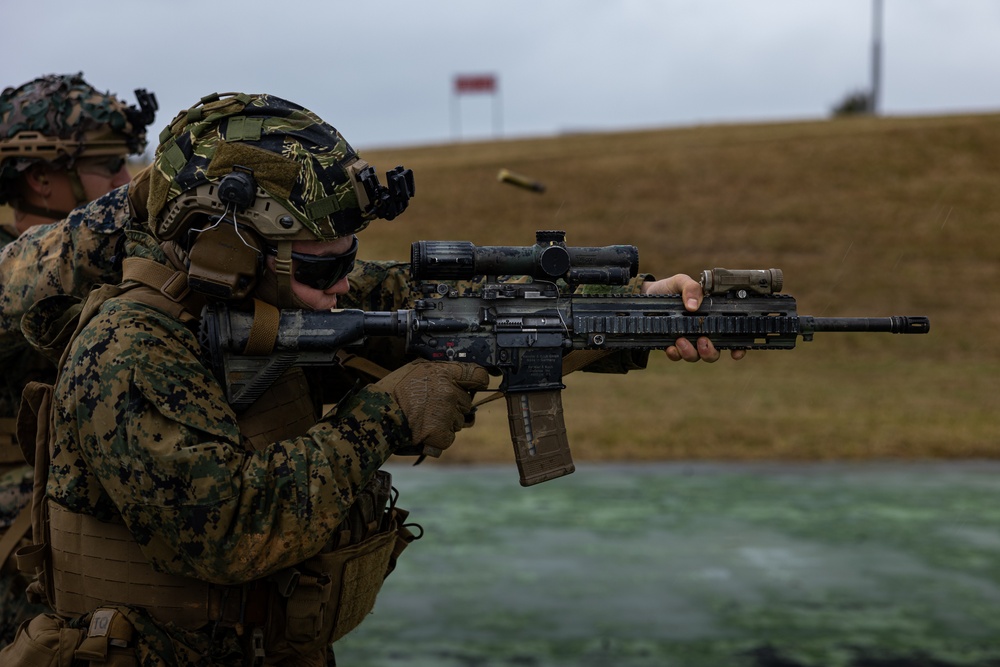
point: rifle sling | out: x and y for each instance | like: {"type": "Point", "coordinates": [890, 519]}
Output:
{"type": "Point", "coordinates": [264, 330]}
{"type": "Point", "coordinates": [366, 366]}
{"type": "Point", "coordinates": [170, 291]}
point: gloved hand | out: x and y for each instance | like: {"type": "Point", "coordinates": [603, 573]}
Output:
{"type": "Point", "coordinates": [435, 396]}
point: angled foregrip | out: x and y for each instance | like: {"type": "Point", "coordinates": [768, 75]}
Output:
{"type": "Point", "coordinates": [538, 433]}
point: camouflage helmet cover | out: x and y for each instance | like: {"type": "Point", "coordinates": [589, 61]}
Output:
{"type": "Point", "coordinates": [59, 118]}
{"type": "Point", "coordinates": [297, 160]}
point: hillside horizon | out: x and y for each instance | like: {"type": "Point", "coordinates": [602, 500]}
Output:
{"type": "Point", "coordinates": [865, 216]}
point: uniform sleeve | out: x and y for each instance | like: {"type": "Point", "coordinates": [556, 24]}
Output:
{"type": "Point", "coordinates": [66, 257]}
{"type": "Point", "coordinates": [163, 447]}
{"type": "Point", "coordinates": [380, 285]}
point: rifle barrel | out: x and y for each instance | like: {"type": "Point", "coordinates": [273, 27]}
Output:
{"type": "Point", "coordinates": [897, 324]}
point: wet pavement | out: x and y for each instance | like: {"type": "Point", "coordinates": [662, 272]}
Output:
{"type": "Point", "coordinates": [692, 564]}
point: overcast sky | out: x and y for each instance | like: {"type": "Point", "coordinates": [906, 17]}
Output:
{"type": "Point", "coordinates": [382, 71]}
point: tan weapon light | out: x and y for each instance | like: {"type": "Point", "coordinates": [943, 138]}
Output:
{"type": "Point", "coordinates": [742, 281]}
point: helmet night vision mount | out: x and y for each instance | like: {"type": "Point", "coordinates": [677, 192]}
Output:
{"type": "Point", "coordinates": [382, 201]}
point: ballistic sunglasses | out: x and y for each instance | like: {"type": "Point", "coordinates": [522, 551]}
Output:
{"type": "Point", "coordinates": [321, 271]}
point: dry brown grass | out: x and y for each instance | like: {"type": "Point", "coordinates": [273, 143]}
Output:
{"type": "Point", "coordinates": [865, 216]}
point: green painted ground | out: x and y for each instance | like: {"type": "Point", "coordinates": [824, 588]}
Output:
{"type": "Point", "coordinates": [826, 565]}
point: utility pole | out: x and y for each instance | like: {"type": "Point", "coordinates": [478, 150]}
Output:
{"type": "Point", "coordinates": [873, 96]}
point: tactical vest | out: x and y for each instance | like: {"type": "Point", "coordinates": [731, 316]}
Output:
{"type": "Point", "coordinates": [84, 563]}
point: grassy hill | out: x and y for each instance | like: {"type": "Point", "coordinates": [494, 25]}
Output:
{"type": "Point", "coordinates": [864, 216]}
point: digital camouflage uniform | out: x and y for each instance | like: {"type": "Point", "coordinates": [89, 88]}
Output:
{"type": "Point", "coordinates": [16, 482]}
{"type": "Point", "coordinates": [73, 256]}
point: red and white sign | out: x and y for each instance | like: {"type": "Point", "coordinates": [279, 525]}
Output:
{"type": "Point", "coordinates": [475, 83]}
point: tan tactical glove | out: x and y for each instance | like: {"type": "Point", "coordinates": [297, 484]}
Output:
{"type": "Point", "coordinates": [435, 396]}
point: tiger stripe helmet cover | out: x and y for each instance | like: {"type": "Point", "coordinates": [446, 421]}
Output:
{"type": "Point", "coordinates": [296, 158]}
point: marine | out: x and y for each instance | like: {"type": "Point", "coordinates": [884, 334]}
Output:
{"type": "Point", "coordinates": [63, 143]}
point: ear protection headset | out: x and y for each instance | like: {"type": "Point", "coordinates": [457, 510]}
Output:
{"type": "Point", "coordinates": [225, 261]}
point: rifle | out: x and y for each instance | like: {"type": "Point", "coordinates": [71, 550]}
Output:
{"type": "Point", "coordinates": [530, 333]}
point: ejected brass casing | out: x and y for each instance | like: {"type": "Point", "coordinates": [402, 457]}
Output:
{"type": "Point", "coordinates": [505, 176]}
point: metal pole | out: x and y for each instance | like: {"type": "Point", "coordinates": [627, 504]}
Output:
{"type": "Point", "coordinates": [456, 121]}
{"type": "Point", "coordinates": [873, 99]}
{"type": "Point", "coordinates": [497, 115]}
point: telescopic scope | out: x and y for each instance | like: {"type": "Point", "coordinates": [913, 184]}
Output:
{"type": "Point", "coordinates": [549, 259]}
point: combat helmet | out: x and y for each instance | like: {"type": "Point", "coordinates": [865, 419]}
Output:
{"type": "Point", "coordinates": [239, 175]}
{"type": "Point", "coordinates": [57, 119]}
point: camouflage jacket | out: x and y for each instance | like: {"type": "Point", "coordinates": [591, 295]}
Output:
{"type": "Point", "coordinates": [46, 259]}
{"type": "Point", "coordinates": [66, 257]}
{"type": "Point", "coordinates": [142, 431]}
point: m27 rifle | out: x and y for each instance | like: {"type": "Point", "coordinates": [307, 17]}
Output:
{"type": "Point", "coordinates": [529, 330]}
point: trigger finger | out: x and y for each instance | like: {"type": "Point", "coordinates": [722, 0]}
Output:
{"type": "Point", "coordinates": [463, 402]}
{"type": "Point", "coordinates": [457, 421]}
{"type": "Point", "coordinates": [473, 377]}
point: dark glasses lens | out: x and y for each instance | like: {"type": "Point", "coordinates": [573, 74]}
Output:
{"type": "Point", "coordinates": [111, 165]}
{"type": "Point", "coordinates": [115, 164]}
{"type": "Point", "coordinates": [323, 271]}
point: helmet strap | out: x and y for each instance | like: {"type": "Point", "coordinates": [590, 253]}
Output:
{"type": "Point", "coordinates": [43, 211]}
{"type": "Point", "coordinates": [283, 271]}
{"type": "Point", "coordinates": [77, 186]}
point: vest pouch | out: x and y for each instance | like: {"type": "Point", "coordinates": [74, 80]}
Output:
{"type": "Point", "coordinates": [335, 592]}
{"type": "Point", "coordinates": [108, 640]}
{"type": "Point", "coordinates": [44, 641]}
